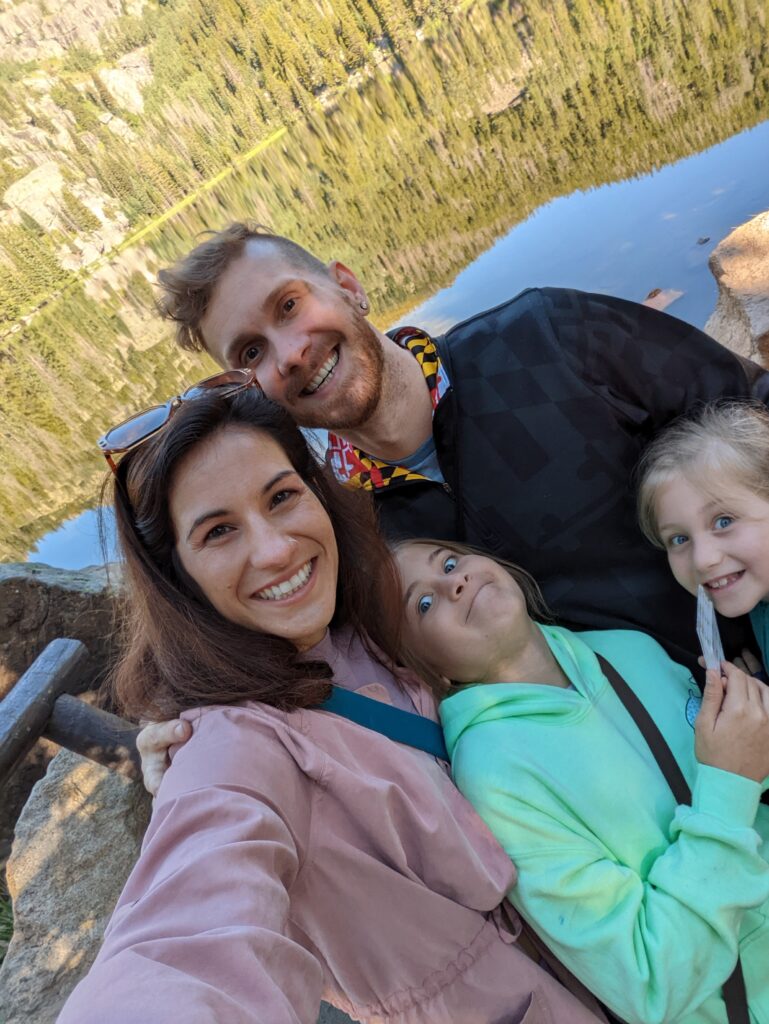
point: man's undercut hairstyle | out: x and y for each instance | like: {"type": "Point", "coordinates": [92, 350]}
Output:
{"type": "Point", "coordinates": [723, 442]}
{"type": "Point", "coordinates": [187, 286]}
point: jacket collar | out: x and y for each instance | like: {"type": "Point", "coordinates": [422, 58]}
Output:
{"type": "Point", "coordinates": [354, 467]}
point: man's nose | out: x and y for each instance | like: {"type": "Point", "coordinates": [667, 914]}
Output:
{"type": "Point", "coordinates": [291, 353]}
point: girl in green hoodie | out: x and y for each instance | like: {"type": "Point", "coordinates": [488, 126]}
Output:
{"type": "Point", "coordinates": [647, 902]}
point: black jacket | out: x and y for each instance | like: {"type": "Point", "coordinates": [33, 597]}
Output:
{"type": "Point", "coordinates": [553, 396]}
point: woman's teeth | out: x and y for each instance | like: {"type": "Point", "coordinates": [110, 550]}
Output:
{"type": "Point", "coordinates": [323, 374]}
{"type": "Point", "coordinates": [287, 587]}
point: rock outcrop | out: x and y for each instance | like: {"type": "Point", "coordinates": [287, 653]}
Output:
{"type": "Point", "coordinates": [38, 604]}
{"type": "Point", "coordinates": [37, 194]}
{"type": "Point", "coordinates": [125, 82]}
{"type": "Point", "coordinates": [740, 265]}
{"type": "Point", "coordinates": [76, 842]}
{"type": "Point", "coordinates": [30, 31]}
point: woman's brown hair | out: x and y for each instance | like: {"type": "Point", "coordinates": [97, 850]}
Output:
{"type": "Point", "coordinates": [178, 651]}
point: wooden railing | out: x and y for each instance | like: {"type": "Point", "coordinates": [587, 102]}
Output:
{"type": "Point", "coordinates": [41, 704]}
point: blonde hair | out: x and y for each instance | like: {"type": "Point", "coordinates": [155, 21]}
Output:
{"type": "Point", "coordinates": [535, 604]}
{"type": "Point", "coordinates": [721, 444]}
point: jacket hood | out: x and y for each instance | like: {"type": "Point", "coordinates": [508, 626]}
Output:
{"type": "Point", "coordinates": [487, 702]}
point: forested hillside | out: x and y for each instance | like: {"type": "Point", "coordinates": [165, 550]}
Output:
{"type": "Point", "coordinates": [166, 99]}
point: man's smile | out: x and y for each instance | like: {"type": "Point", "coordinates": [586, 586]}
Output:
{"type": "Point", "coordinates": [324, 373]}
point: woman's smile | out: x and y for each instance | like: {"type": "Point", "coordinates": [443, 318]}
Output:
{"type": "Point", "coordinates": [295, 586]}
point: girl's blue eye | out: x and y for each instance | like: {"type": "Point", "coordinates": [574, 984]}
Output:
{"type": "Point", "coordinates": [721, 522]}
{"type": "Point", "coordinates": [450, 564]}
{"type": "Point", "coordinates": [677, 540]}
{"type": "Point", "coordinates": [424, 604]}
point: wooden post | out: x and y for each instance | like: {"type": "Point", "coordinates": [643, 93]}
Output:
{"type": "Point", "coordinates": [39, 704]}
{"type": "Point", "coordinates": [25, 711]}
{"type": "Point", "coordinates": [95, 734]}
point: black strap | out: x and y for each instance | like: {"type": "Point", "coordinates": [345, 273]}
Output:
{"type": "Point", "coordinates": [663, 755]}
{"type": "Point", "coordinates": [402, 726]}
{"type": "Point", "coordinates": [733, 989]}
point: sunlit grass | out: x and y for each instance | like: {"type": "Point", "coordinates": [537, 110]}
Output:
{"type": "Point", "coordinates": [6, 922]}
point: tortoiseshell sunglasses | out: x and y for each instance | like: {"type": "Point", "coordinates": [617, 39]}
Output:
{"type": "Point", "coordinates": [139, 428]}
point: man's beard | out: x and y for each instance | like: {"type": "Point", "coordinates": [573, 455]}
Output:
{"type": "Point", "coordinates": [361, 399]}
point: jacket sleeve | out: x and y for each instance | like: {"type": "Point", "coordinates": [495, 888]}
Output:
{"type": "Point", "coordinates": [199, 933]}
{"type": "Point", "coordinates": [652, 948]}
{"type": "Point", "coordinates": [647, 364]}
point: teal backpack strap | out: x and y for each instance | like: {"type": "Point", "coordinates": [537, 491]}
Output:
{"type": "Point", "coordinates": [402, 726]}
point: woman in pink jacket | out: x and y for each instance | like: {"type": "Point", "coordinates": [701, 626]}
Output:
{"type": "Point", "coordinates": [292, 855]}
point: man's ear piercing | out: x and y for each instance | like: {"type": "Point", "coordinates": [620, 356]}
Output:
{"type": "Point", "coordinates": [363, 305]}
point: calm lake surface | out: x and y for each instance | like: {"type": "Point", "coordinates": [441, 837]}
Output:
{"type": "Point", "coordinates": [610, 156]}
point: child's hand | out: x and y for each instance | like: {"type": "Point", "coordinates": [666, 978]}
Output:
{"type": "Point", "coordinates": [748, 662]}
{"type": "Point", "coordinates": [732, 727]}
{"type": "Point", "coordinates": [153, 743]}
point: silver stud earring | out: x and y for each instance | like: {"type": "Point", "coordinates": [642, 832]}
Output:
{"type": "Point", "coordinates": [364, 305]}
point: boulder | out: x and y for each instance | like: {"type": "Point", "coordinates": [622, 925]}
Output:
{"type": "Point", "coordinates": [126, 82]}
{"type": "Point", "coordinates": [38, 193]}
{"type": "Point", "coordinates": [76, 841]}
{"type": "Point", "coordinates": [740, 265]}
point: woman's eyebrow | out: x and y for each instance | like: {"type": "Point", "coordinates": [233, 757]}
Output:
{"type": "Point", "coordinates": [430, 557]}
{"type": "Point", "coordinates": [202, 519]}
{"type": "Point", "coordinates": [213, 513]}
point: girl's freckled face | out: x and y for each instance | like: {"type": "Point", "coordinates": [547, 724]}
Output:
{"type": "Point", "coordinates": [254, 537]}
{"type": "Point", "coordinates": [460, 611]}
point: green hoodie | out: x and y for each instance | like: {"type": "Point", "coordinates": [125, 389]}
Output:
{"type": "Point", "coordinates": [643, 900]}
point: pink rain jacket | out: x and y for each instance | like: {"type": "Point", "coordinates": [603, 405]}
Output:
{"type": "Point", "coordinates": [294, 857]}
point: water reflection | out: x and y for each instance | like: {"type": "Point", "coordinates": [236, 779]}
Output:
{"type": "Point", "coordinates": [78, 543]}
{"type": "Point", "coordinates": [415, 174]}
{"type": "Point", "coordinates": [623, 239]}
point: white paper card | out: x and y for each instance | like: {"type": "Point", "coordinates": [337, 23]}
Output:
{"type": "Point", "coordinates": [707, 631]}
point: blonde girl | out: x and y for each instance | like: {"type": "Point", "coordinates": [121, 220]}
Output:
{"type": "Point", "coordinates": [704, 499]}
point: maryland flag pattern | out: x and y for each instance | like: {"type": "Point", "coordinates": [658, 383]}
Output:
{"type": "Point", "coordinates": [353, 467]}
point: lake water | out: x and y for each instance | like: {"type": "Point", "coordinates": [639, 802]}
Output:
{"type": "Point", "coordinates": [578, 160]}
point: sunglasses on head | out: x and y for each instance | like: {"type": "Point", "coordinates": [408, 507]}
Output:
{"type": "Point", "coordinates": [139, 428]}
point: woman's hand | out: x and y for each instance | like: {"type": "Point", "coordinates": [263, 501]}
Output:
{"type": "Point", "coordinates": [153, 743]}
{"type": "Point", "coordinates": [732, 727]}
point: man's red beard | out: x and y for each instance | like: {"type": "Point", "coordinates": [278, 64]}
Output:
{"type": "Point", "coordinates": [352, 409]}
